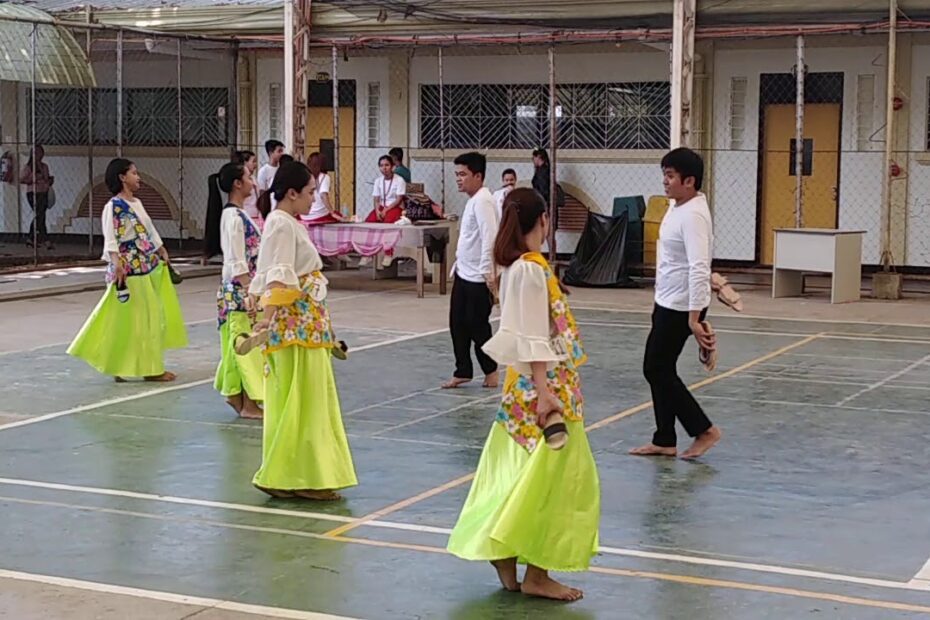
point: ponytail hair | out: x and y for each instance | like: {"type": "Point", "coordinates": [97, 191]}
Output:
{"type": "Point", "coordinates": [264, 204]}
{"type": "Point", "coordinates": [522, 209]}
{"type": "Point", "coordinates": [211, 231]}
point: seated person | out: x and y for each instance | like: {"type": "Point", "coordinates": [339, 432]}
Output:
{"type": "Point", "coordinates": [388, 194]}
{"type": "Point", "coordinates": [321, 210]}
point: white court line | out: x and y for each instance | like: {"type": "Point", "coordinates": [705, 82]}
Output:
{"type": "Point", "coordinates": [755, 332]}
{"type": "Point", "coordinates": [922, 578]}
{"type": "Point", "coordinates": [766, 317]}
{"type": "Point", "coordinates": [169, 597]}
{"type": "Point", "coordinates": [810, 404]}
{"type": "Point", "coordinates": [254, 427]}
{"type": "Point", "coordinates": [779, 377]}
{"type": "Point", "coordinates": [916, 584]}
{"type": "Point", "coordinates": [886, 380]}
{"type": "Point", "coordinates": [435, 415]}
{"type": "Point", "coordinates": [184, 386]}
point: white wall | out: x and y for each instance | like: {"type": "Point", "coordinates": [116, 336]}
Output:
{"type": "Point", "coordinates": [362, 69]}
{"type": "Point", "coordinates": [918, 166]}
{"type": "Point", "coordinates": [735, 172]}
{"type": "Point", "coordinates": [600, 181]}
{"type": "Point", "coordinates": [71, 171]}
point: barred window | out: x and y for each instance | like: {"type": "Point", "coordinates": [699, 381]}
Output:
{"type": "Point", "coordinates": [150, 116]}
{"type": "Point", "coordinates": [634, 115]}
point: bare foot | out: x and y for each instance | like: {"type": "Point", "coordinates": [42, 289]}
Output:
{"type": "Point", "coordinates": [279, 493]}
{"type": "Point", "coordinates": [235, 401]}
{"type": "Point", "coordinates": [537, 582]}
{"type": "Point", "coordinates": [507, 573]}
{"type": "Point", "coordinates": [702, 443]}
{"type": "Point", "coordinates": [163, 377]}
{"type": "Point", "coordinates": [650, 449]}
{"type": "Point", "coordinates": [491, 380]}
{"type": "Point", "coordinates": [316, 495]}
{"type": "Point", "coordinates": [454, 382]}
{"type": "Point", "coordinates": [251, 411]}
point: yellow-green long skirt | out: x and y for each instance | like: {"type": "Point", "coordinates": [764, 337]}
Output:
{"type": "Point", "coordinates": [130, 339]}
{"type": "Point", "coordinates": [541, 508]}
{"type": "Point", "coordinates": [236, 373]}
{"type": "Point", "coordinates": [304, 444]}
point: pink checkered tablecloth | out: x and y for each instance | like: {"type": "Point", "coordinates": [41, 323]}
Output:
{"type": "Point", "coordinates": [363, 239]}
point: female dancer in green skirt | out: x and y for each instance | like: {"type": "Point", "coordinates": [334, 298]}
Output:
{"type": "Point", "coordinates": [139, 316]}
{"type": "Point", "coordinates": [531, 501]}
{"type": "Point", "coordinates": [305, 452]}
{"type": "Point", "coordinates": [231, 231]}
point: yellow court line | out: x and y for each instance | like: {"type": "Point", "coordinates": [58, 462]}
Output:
{"type": "Point", "coordinates": [600, 424]}
{"type": "Point", "coordinates": [704, 382]}
{"type": "Point", "coordinates": [399, 505]}
{"type": "Point", "coordinates": [683, 579]}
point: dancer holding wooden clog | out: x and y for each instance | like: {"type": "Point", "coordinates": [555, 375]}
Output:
{"type": "Point", "coordinates": [305, 452]}
{"type": "Point", "coordinates": [536, 496]}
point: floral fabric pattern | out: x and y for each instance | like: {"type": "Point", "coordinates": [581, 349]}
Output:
{"type": "Point", "coordinates": [231, 295]}
{"type": "Point", "coordinates": [517, 411]}
{"type": "Point", "coordinates": [136, 249]}
{"type": "Point", "coordinates": [304, 323]}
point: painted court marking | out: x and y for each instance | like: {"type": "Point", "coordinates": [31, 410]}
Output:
{"type": "Point", "coordinates": [590, 428]}
{"type": "Point", "coordinates": [184, 386]}
{"type": "Point", "coordinates": [169, 597]}
{"type": "Point", "coordinates": [889, 378]}
{"type": "Point", "coordinates": [916, 584]}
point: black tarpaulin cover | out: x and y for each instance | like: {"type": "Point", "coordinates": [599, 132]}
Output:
{"type": "Point", "coordinates": [600, 258]}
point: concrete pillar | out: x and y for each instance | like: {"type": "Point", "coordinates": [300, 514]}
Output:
{"type": "Point", "coordinates": [398, 101]}
{"type": "Point", "coordinates": [9, 125]}
{"type": "Point", "coordinates": [682, 71]}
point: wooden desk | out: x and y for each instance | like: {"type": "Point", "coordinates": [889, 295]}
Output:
{"type": "Point", "coordinates": [822, 250]}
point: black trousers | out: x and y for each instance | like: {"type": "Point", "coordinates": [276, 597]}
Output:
{"type": "Point", "coordinates": [670, 397]}
{"type": "Point", "coordinates": [469, 322]}
{"type": "Point", "coordinates": [39, 204]}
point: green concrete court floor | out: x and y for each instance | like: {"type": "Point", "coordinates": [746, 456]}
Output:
{"type": "Point", "coordinates": [136, 499]}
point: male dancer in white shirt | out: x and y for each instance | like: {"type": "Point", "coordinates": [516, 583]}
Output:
{"type": "Point", "coordinates": [682, 296]}
{"type": "Point", "coordinates": [474, 281]}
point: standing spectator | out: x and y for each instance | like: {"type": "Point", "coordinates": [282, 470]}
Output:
{"type": "Point", "coordinates": [397, 155]}
{"type": "Point", "coordinates": [38, 182]}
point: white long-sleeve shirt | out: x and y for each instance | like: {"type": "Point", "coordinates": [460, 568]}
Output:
{"type": "Point", "coordinates": [478, 229]}
{"type": "Point", "coordinates": [525, 333]}
{"type": "Point", "coordinates": [110, 242]}
{"type": "Point", "coordinates": [286, 253]}
{"type": "Point", "coordinates": [686, 239]}
{"type": "Point", "coordinates": [232, 241]}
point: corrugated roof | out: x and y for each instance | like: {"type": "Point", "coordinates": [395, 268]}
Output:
{"type": "Point", "coordinates": [61, 6]}
{"type": "Point", "coordinates": [361, 18]}
{"type": "Point", "coordinates": [58, 57]}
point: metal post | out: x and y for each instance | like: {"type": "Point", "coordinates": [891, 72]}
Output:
{"type": "Point", "coordinates": [337, 169]}
{"type": "Point", "coordinates": [799, 137]}
{"type": "Point", "coordinates": [180, 158]}
{"type": "Point", "coordinates": [289, 72]}
{"type": "Point", "coordinates": [89, 43]}
{"type": "Point", "coordinates": [442, 133]}
{"type": "Point", "coordinates": [553, 146]}
{"type": "Point", "coordinates": [119, 93]}
{"type": "Point", "coordinates": [887, 258]}
{"type": "Point", "coordinates": [682, 71]}
{"type": "Point", "coordinates": [32, 153]}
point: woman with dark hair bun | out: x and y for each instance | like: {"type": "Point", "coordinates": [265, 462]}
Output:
{"type": "Point", "coordinates": [305, 452]}
{"type": "Point", "coordinates": [535, 498]}
{"type": "Point", "coordinates": [238, 377]}
{"type": "Point", "coordinates": [139, 316]}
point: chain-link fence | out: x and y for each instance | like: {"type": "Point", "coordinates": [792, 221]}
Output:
{"type": "Point", "coordinates": [167, 104]}
{"type": "Point", "coordinates": [612, 121]}
{"type": "Point", "coordinates": [178, 109]}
